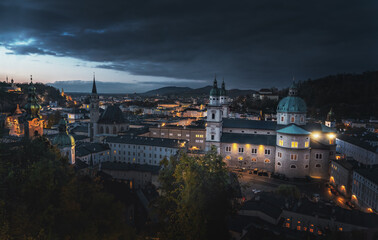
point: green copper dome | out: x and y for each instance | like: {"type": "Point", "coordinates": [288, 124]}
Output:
{"type": "Point", "coordinates": [63, 139]}
{"type": "Point", "coordinates": [214, 92]}
{"type": "Point", "coordinates": [292, 104]}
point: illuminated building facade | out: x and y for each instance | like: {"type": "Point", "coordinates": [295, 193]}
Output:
{"type": "Point", "coordinates": [290, 146]}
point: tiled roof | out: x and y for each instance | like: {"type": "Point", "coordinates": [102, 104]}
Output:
{"type": "Point", "coordinates": [250, 124]}
{"type": "Point", "coordinates": [159, 142]}
{"type": "Point", "coordinates": [85, 148]}
{"type": "Point", "coordinates": [269, 140]}
{"type": "Point", "coordinates": [293, 129]}
{"type": "Point", "coordinates": [357, 142]}
{"type": "Point", "coordinates": [318, 127]}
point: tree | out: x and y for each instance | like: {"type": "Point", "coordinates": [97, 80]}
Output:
{"type": "Point", "coordinates": [196, 197]}
{"type": "Point", "coordinates": [42, 198]}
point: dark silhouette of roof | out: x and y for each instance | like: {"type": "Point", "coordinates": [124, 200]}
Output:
{"type": "Point", "coordinates": [112, 115]}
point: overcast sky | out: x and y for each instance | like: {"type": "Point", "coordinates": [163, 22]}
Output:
{"type": "Point", "coordinates": [147, 43]}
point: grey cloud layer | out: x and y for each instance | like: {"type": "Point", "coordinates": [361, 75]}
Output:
{"type": "Point", "coordinates": [250, 43]}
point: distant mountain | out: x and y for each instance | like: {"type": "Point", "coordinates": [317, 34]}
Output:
{"type": "Point", "coordinates": [171, 90]}
{"type": "Point", "coordinates": [194, 92]}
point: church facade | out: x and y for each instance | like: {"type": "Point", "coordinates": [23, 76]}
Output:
{"type": "Point", "coordinates": [290, 146]}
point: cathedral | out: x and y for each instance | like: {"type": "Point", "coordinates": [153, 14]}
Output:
{"type": "Point", "coordinates": [290, 146]}
{"type": "Point", "coordinates": [110, 123]}
{"type": "Point", "coordinates": [28, 123]}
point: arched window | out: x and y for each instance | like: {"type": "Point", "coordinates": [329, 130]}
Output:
{"type": "Point", "coordinates": [114, 130]}
{"type": "Point", "coordinates": [266, 161]}
{"type": "Point", "coordinates": [101, 130]}
{"type": "Point", "coordinates": [318, 165]}
{"type": "Point", "coordinates": [107, 130]}
{"type": "Point", "coordinates": [253, 159]}
{"type": "Point", "coordinates": [282, 118]}
{"type": "Point", "coordinates": [292, 119]}
{"type": "Point", "coordinates": [278, 164]}
{"type": "Point", "coordinates": [240, 158]}
{"type": "Point", "coordinates": [293, 166]}
{"type": "Point", "coordinates": [306, 166]}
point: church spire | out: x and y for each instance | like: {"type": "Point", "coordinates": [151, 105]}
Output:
{"type": "Point", "coordinates": [94, 89]}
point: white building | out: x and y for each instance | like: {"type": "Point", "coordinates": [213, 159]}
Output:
{"type": "Point", "coordinates": [289, 146]}
{"type": "Point", "coordinates": [143, 150]}
{"type": "Point", "coordinates": [365, 188]}
{"type": "Point", "coordinates": [361, 151]}
{"type": "Point", "coordinates": [93, 153]}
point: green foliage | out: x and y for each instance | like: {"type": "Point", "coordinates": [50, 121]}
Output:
{"type": "Point", "coordinates": [53, 119]}
{"type": "Point", "coordinates": [196, 197]}
{"type": "Point", "coordinates": [290, 191]}
{"type": "Point", "coordinates": [42, 198]}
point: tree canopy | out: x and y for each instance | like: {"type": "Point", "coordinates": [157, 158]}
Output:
{"type": "Point", "coordinates": [196, 197]}
{"type": "Point", "coordinates": [42, 198]}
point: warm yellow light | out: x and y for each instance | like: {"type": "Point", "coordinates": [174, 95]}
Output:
{"type": "Point", "coordinates": [234, 146]}
{"type": "Point", "coordinates": [369, 210]}
{"type": "Point", "coordinates": [331, 179]}
{"type": "Point", "coordinates": [315, 135]}
{"type": "Point", "coordinates": [354, 197]}
{"type": "Point", "coordinates": [331, 136]}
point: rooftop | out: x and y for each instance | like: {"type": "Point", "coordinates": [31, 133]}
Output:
{"type": "Point", "coordinates": [87, 148]}
{"type": "Point", "coordinates": [369, 173]}
{"type": "Point", "coordinates": [357, 142]}
{"type": "Point", "coordinates": [293, 129]}
{"type": "Point", "coordinates": [250, 124]}
{"type": "Point", "coordinates": [269, 140]}
{"type": "Point", "coordinates": [159, 142]}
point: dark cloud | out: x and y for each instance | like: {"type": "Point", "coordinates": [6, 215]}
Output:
{"type": "Point", "coordinates": [252, 44]}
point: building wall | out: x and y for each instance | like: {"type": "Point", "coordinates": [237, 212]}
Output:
{"type": "Point", "coordinates": [341, 178]}
{"type": "Point", "coordinates": [319, 168]}
{"type": "Point", "coordinates": [360, 154]}
{"type": "Point", "coordinates": [111, 129]}
{"type": "Point", "coordinates": [364, 192]}
{"type": "Point", "coordinates": [292, 162]}
{"type": "Point", "coordinates": [195, 137]}
{"type": "Point", "coordinates": [97, 157]}
{"type": "Point", "coordinates": [248, 159]}
{"type": "Point", "coordinates": [138, 179]}
{"type": "Point", "coordinates": [141, 154]}
{"type": "Point", "coordinates": [287, 118]}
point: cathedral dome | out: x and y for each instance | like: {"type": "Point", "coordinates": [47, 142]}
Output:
{"type": "Point", "coordinates": [292, 104]}
{"type": "Point", "coordinates": [112, 114]}
{"type": "Point", "coordinates": [215, 91]}
{"type": "Point", "coordinates": [63, 139]}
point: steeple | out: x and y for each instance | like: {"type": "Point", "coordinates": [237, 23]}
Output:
{"type": "Point", "coordinates": [32, 107]}
{"type": "Point", "coordinates": [293, 90]}
{"type": "Point", "coordinates": [222, 91]}
{"type": "Point", "coordinates": [94, 89]}
{"type": "Point", "coordinates": [215, 91]}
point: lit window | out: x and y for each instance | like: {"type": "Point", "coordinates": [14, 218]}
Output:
{"type": "Point", "coordinates": [228, 157]}
{"type": "Point", "coordinates": [253, 159]}
{"type": "Point", "coordinates": [307, 144]}
{"type": "Point", "coordinates": [294, 144]}
{"type": "Point", "coordinates": [292, 119]}
{"type": "Point", "coordinates": [240, 158]}
{"type": "Point", "coordinates": [280, 142]}
{"type": "Point", "coordinates": [266, 161]}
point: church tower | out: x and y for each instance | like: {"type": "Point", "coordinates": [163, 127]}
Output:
{"type": "Point", "coordinates": [224, 100]}
{"type": "Point", "coordinates": [330, 120]}
{"type": "Point", "coordinates": [94, 111]}
{"type": "Point", "coordinates": [214, 118]}
{"type": "Point", "coordinates": [33, 122]}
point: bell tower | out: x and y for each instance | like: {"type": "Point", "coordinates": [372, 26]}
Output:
{"type": "Point", "coordinates": [214, 118]}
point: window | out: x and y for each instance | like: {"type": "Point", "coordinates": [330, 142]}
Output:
{"type": "Point", "coordinates": [318, 165]}
{"type": "Point", "coordinates": [306, 156]}
{"type": "Point", "coordinates": [213, 116]}
{"type": "Point", "coordinates": [178, 134]}
{"type": "Point", "coordinates": [254, 150]}
{"type": "Point", "coordinates": [282, 119]}
{"type": "Point", "coordinates": [306, 166]}
{"type": "Point", "coordinates": [162, 134]}
{"type": "Point", "coordinates": [293, 157]}
{"type": "Point", "coordinates": [199, 136]}
{"type": "Point", "coordinates": [228, 149]}
{"type": "Point", "coordinates": [279, 154]}
{"type": "Point", "coordinates": [212, 137]}
{"type": "Point", "coordinates": [170, 134]}
{"type": "Point", "coordinates": [292, 119]}
{"type": "Point", "coordinates": [267, 151]}
{"type": "Point", "coordinates": [254, 160]}
{"type": "Point", "coordinates": [293, 166]}
{"type": "Point", "coordinates": [240, 158]}
{"type": "Point", "coordinates": [294, 144]}
{"type": "Point", "coordinates": [278, 164]}
{"type": "Point", "coordinates": [241, 150]}
{"type": "Point", "coordinates": [228, 157]}
{"type": "Point", "coordinates": [280, 142]}
{"type": "Point", "coordinates": [318, 156]}
{"type": "Point", "coordinates": [266, 161]}
{"type": "Point", "coordinates": [307, 144]}
{"type": "Point", "coordinates": [187, 135]}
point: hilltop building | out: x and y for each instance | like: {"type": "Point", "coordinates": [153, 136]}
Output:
{"type": "Point", "coordinates": [289, 146]}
